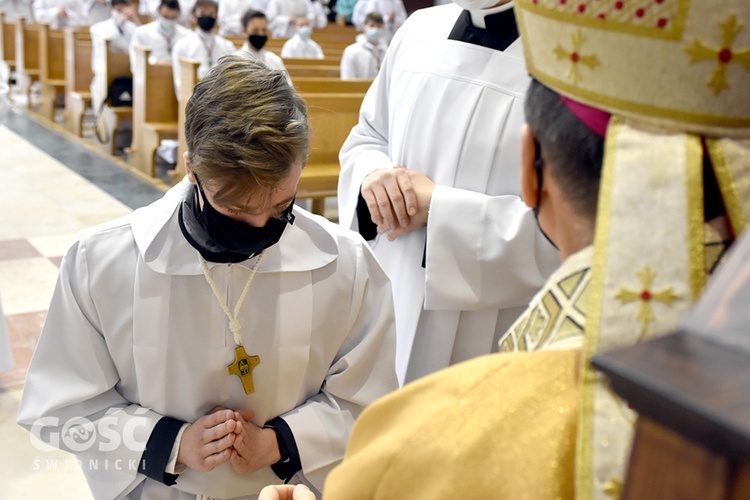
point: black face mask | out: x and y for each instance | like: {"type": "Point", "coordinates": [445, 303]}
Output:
{"type": "Point", "coordinates": [206, 23]}
{"type": "Point", "coordinates": [257, 41]}
{"type": "Point", "coordinates": [538, 165]}
{"type": "Point", "coordinates": [219, 238]}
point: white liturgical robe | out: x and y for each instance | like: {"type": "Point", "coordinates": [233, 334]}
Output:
{"type": "Point", "coordinates": [280, 14]}
{"type": "Point", "coordinates": [298, 47]}
{"type": "Point", "coordinates": [453, 111]}
{"type": "Point", "coordinates": [269, 58]}
{"type": "Point", "coordinates": [362, 59]}
{"type": "Point", "coordinates": [202, 47]}
{"type": "Point", "coordinates": [134, 329]}
{"type": "Point", "coordinates": [160, 43]}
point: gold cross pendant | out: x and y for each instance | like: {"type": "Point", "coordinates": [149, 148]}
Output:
{"type": "Point", "coordinates": [243, 366]}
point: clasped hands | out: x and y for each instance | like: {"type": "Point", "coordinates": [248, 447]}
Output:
{"type": "Point", "coordinates": [227, 436]}
{"type": "Point", "coordinates": [398, 199]}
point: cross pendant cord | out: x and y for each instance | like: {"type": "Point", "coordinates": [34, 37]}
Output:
{"type": "Point", "coordinates": [235, 325]}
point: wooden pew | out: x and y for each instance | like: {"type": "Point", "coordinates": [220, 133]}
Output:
{"type": "Point", "coordinates": [296, 61]}
{"type": "Point", "coordinates": [332, 117]}
{"type": "Point", "coordinates": [692, 394]}
{"type": "Point", "coordinates": [189, 73]}
{"type": "Point", "coordinates": [331, 50]}
{"type": "Point", "coordinates": [8, 41]}
{"type": "Point", "coordinates": [51, 68]}
{"type": "Point", "coordinates": [117, 64]}
{"type": "Point", "coordinates": [78, 76]}
{"type": "Point", "coordinates": [314, 71]}
{"type": "Point", "coordinates": [237, 40]}
{"type": "Point", "coordinates": [27, 53]}
{"type": "Point", "coordinates": [154, 110]}
{"type": "Point", "coordinates": [275, 44]}
{"type": "Point", "coordinates": [307, 84]}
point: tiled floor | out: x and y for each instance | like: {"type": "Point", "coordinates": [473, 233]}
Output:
{"type": "Point", "coordinates": [50, 188]}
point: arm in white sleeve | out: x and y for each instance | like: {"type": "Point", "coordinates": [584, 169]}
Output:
{"type": "Point", "coordinates": [278, 23]}
{"type": "Point", "coordinates": [317, 16]}
{"type": "Point", "coordinates": [79, 13]}
{"type": "Point", "coordinates": [366, 149]}
{"type": "Point", "coordinates": [347, 66]}
{"type": "Point", "coordinates": [483, 251]}
{"type": "Point", "coordinates": [287, 50]}
{"type": "Point", "coordinates": [172, 467]}
{"type": "Point", "coordinates": [46, 11]}
{"type": "Point", "coordinates": [362, 371]}
{"type": "Point", "coordinates": [400, 13]}
{"type": "Point", "coordinates": [70, 399]}
{"type": "Point", "coordinates": [361, 9]}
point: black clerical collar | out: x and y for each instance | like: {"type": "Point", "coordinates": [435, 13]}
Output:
{"type": "Point", "coordinates": [501, 30]}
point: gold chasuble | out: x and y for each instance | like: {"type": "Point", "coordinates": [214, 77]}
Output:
{"type": "Point", "coordinates": [498, 426]}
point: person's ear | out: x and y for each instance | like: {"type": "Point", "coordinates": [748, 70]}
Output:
{"type": "Point", "coordinates": [190, 173]}
{"type": "Point", "coordinates": [529, 179]}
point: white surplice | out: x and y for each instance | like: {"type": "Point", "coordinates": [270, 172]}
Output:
{"type": "Point", "coordinates": [201, 46]}
{"type": "Point", "coordinates": [14, 8]}
{"type": "Point", "coordinates": [231, 12]}
{"type": "Point", "coordinates": [386, 8]}
{"type": "Point", "coordinates": [160, 43]}
{"type": "Point", "coordinates": [362, 59]}
{"type": "Point", "coordinates": [298, 47]}
{"type": "Point", "coordinates": [451, 110]}
{"type": "Point", "coordinates": [134, 328]}
{"type": "Point", "coordinates": [269, 58]}
{"type": "Point", "coordinates": [281, 12]}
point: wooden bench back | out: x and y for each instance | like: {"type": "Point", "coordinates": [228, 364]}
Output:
{"type": "Point", "coordinates": [117, 64]}
{"type": "Point", "coordinates": [189, 73]}
{"type": "Point", "coordinates": [51, 55]}
{"type": "Point", "coordinates": [8, 40]}
{"type": "Point", "coordinates": [297, 61]}
{"type": "Point", "coordinates": [78, 54]}
{"type": "Point", "coordinates": [332, 46]}
{"type": "Point", "coordinates": [310, 84]}
{"type": "Point", "coordinates": [154, 100]}
{"type": "Point", "coordinates": [313, 70]}
{"type": "Point", "coordinates": [332, 117]}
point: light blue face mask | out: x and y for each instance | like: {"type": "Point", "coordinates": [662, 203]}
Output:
{"type": "Point", "coordinates": [305, 32]}
{"type": "Point", "coordinates": [373, 34]}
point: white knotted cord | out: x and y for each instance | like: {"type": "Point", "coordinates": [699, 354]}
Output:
{"type": "Point", "coordinates": [235, 325]}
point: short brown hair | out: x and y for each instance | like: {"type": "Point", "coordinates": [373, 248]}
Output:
{"type": "Point", "coordinates": [206, 3]}
{"type": "Point", "coordinates": [245, 126]}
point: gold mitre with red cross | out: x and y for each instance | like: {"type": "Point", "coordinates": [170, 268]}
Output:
{"type": "Point", "coordinates": [675, 75]}
{"type": "Point", "coordinates": [676, 62]}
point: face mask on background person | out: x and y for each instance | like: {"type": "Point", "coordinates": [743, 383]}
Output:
{"type": "Point", "coordinates": [206, 23]}
{"type": "Point", "coordinates": [373, 34]}
{"type": "Point", "coordinates": [304, 32]}
{"type": "Point", "coordinates": [257, 41]}
{"type": "Point", "coordinates": [167, 25]}
{"type": "Point", "coordinates": [476, 4]}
